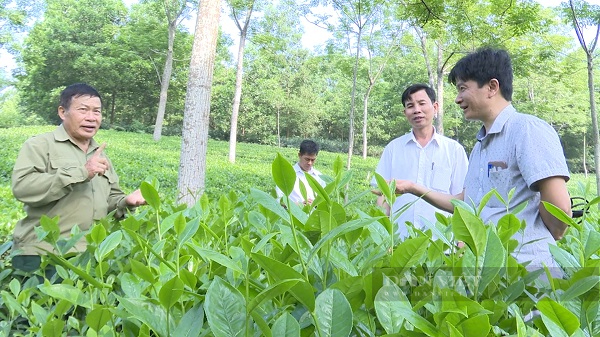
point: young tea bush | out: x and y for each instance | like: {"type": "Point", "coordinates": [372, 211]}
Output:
{"type": "Point", "coordinates": [243, 264]}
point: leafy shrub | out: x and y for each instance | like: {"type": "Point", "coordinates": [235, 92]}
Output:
{"type": "Point", "coordinates": [241, 264]}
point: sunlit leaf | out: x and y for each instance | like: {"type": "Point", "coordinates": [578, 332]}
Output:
{"type": "Point", "coordinates": [558, 314]}
{"type": "Point", "coordinates": [284, 174]}
{"type": "Point", "coordinates": [150, 195]}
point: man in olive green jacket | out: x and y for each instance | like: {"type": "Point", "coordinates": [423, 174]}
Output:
{"type": "Point", "coordinates": [65, 173]}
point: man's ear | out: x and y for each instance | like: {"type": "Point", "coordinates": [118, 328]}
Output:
{"type": "Point", "coordinates": [494, 87]}
{"type": "Point", "coordinates": [61, 112]}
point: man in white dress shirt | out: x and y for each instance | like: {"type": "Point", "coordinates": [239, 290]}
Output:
{"type": "Point", "coordinates": [424, 157]}
{"type": "Point", "coordinates": [307, 155]}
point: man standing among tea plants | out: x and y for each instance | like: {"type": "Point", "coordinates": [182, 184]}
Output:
{"type": "Point", "coordinates": [423, 156]}
{"type": "Point", "coordinates": [513, 150]}
{"type": "Point", "coordinates": [307, 156]}
{"type": "Point", "coordinates": [65, 173]}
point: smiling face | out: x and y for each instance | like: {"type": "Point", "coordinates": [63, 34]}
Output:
{"type": "Point", "coordinates": [419, 110]}
{"type": "Point", "coordinates": [472, 99]}
{"type": "Point", "coordinates": [82, 118]}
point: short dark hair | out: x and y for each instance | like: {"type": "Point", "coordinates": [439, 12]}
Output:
{"type": "Point", "coordinates": [308, 147]}
{"type": "Point", "coordinates": [76, 90]}
{"type": "Point", "coordinates": [484, 65]}
{"type": "Point", "coordinates": [415, 88]}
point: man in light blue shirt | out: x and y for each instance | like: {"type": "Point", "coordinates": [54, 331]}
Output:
{"type": "Point", "coordinates": [513, 150]}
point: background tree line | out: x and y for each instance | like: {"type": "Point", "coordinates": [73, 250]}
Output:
{"type": "Point", "coordinates": [352, 82]}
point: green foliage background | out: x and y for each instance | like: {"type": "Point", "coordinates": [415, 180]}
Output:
{"type": "Point", "coordinates": [137, 157]}
{"type": "Point", "coordinates": [237, 261]}
{"type": "Point", "coordinates": [289, 91]}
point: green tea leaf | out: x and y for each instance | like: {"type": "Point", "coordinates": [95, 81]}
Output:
{"type": "Point", "coordinates": [580, 287]}
{"type": "Point", "coordinates": [216, 257]}
{"type": "Point", "coordinates": [284, 174]}
{"type": "Point", "coordinates": [409, 253]}
{"type": "Point", "coordinates": [270, 203]}
{"type": "Point", "coordinates": [108, 245]}
{"type": "Point", "coordinates": [592, 244]}
{"type": "Point", "coordinates": [179, 224]}
{"type": "Point", "coordinates": [142, 271]}
{"type": "Point", "coordinates": [334, 314]}
{"type": "Point", "coordinates": [317, 188]}
{"type": "Point", "coordinates": [11, 302]}
{"type": "Point", "coordinates": [564, 258]}
{"type": "Point", "coordinates": [97, 234]}
{"type": "Point", "coordinates": [302, 291]}
{"type": "Point", "coordinates": [561, 215]}
{"type": "Point", "coordinates": [59, 260]}
{"type": "Point", "coordinates": [271, 292]}
{"type": "Point", "coordinates": [151, 314]}
{"type": "Point", "coordinates": [191, 323]}
{"type": "Point", "coordinates": [493, 260]}
{"type": "Point", "coordinates": [340, 230]}
{"type": "Point", "coordinates": [387, 301]}
{"type": "Point", "coordinates": [68, 293]}
{"type": "Point", "coordinates": [170, 292]}
{"type": "Point", "coordinates": [470, 229]}
{"type": "Point", "coordinates": [97, 318]}
{"type": "Point", "coordinates": [507, 226]}
{"type": "Point", "coordinates": [477, 326]}
{"type": "Point", "coordinates": [225, 309]}
{"type": "Point", "coordinates": [417, 321]}
{"type": "Point", "coordinates": [561, 316]}
{"type": "Point", "coordinates": [150, 195]}
{"type": "Point", "coordinates": [53, 328]}
{"type": "Point", "coordinates": [286, 326]}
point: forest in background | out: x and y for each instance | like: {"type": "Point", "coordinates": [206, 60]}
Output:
{"type": "Point", "coordinates": [292, 92]}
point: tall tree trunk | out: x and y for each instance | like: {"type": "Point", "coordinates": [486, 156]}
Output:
{"type": "Point", "coordinates": [237, 97]}
{"type": "Point", "coordinates": [113, 98]}
{"type": "Point", "coordinates": [590, 67]}
{"type": "Point", "coordinates": [439, 121]}
{"type": "Point", "coordinates": [365, 115]}
{"type": "Point", "coordinates": [278, 129]}
{"type": "Point", "coordinates": [585, 170]}
{"type": "Point", "coordinates": [423, 40]}
{"type": "Point", "coordinates": [352, 100]}
{"type": "Point", "coordinates": [192, 164]}
{"type": "Point", "coordinates": [165, 81]}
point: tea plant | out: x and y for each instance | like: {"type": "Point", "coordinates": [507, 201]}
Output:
{"type": "Point", "coordinates": [247, 264]}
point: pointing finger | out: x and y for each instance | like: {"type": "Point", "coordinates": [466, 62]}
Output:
{"type": "Point", "coordinates": [100, 150]}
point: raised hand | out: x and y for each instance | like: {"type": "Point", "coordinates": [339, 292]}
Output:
{"type": "Point", "coordinates": [97, 164]}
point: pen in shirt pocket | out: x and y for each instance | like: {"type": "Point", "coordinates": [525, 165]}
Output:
{"type": "Point", "coordinates": [496, 166]}
{"type": "Point", "coordinates": [432, 163]}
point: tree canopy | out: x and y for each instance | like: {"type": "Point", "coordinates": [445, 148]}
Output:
{"type": "Point", "coordinates": [294, 91]}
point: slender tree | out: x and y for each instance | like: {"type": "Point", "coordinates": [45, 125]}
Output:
{"type": "Point", "coordinates": [238, 6]}
{"type": "Point", "coordinates": [381, 45]}
{"type": "Point", "coordinates": [192, 165]}
{"type": "Point", "coordinates": [354, 16]}
{"type": "Point", "coordinates": [589, 15]}
{"type": "Point", "coordinates": [175, 11]}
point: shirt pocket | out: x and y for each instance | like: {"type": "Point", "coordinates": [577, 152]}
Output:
{"type": "Point", "coordinates": [56, 163]}
{"type": "Point", "coordinates": [441, 179]}
{"type": "Point", "coordinates": [499, 180]}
